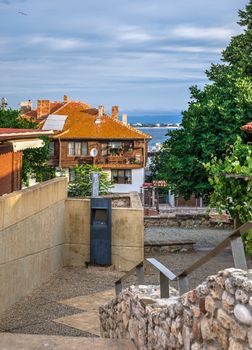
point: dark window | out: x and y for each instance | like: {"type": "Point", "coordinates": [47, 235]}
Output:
{"type": "Point", "coordinates": [123, 176]}
{"type": "Point", "coordinates": [76, 148]}
{"type": "Point", "coordinates": [51, 149]}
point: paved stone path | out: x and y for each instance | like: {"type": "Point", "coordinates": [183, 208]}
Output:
{"type": "Point", "coordinates": [59, 306]}
{"type": "Point", "coordinates": [87, 321]}
{"type": "Point", "coordinates": [40, 342]}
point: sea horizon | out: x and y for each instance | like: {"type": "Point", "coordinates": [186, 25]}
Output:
{"type": "Point", "coordinates": [152, 117]}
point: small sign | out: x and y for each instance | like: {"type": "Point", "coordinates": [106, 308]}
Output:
{"type": "Point", "coordinates": [95, 184]}
{"type": "Point", "coordinates": [93, 152]}
{"type": "Point", "coordinates": [159, 183]}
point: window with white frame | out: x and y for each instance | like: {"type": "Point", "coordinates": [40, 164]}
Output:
{"type": "Point", "coordinates": [76, 148]}
{"type": "Point", "coordinates": [121, 176]}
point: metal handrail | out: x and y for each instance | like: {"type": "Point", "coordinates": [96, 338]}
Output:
{"type": "Point", "coordinates": [139, 269]}
{"type": "Point", "coordinates": [237, 251]}
{"type": "Point", "coordinates": [166, 275]}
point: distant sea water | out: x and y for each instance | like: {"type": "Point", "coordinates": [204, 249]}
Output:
{"type": "Point", "coordinates": [154, 118]}
{"type": "Point", "coordinates": [158, 134]}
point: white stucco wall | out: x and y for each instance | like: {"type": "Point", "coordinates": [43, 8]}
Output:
{"type": "Point", "coordinates": [137, 182]}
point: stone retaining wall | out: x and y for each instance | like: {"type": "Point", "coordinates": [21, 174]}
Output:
{"type": "Point", "coordinates": [31, 238]}
{"type": "Point", "coordinates": [185, 220]}
{"type": "Point", "coordinates": [215, 315]}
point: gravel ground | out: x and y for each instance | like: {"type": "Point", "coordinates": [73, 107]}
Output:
{"type": "Point", "coordinates": [204, 237]}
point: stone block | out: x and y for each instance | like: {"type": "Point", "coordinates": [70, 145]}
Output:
{"type": "Point", "coordinates": [224, 319]}
{"type": "Point", "coordinates": [234, 345]}
{"type": "Point", "coordinates": [250, 338]}
{"type": "Point", "coordinates": [220, 335]}
{"type": "Point", "coordinates": [210, 305]}
{"type": "Point", "coordinates": [237, 331]}
{"type": "Point", "coordinates": [206, 328]}
{"type": "Point", "coordinates": [241, 295]}
{"type": "Point", "coordinates": [243, 314]}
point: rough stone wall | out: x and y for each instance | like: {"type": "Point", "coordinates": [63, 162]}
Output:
{"type": "Point", "coordinates": [185, 220]}
{"type": "Point", "coordinates": [215, 315]}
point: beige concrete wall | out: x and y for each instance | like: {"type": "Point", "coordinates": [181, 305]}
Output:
{"type": "Point", "coordinates": [127, 234]}
{"type": "Point", "coordinates": [31, 238]}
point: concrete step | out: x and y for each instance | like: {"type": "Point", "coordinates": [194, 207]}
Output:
{"type": "Point", "coordinates": [10, 341]}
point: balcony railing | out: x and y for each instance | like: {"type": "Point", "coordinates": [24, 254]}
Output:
{"type": "Point", "coordinates": [137, 160]}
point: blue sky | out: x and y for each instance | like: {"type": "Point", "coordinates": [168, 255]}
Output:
{"type": "Point", "coordinates": [138, 54]}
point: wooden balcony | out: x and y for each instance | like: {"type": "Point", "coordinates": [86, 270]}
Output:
{"type": "Point", "coordinates": [120, 161]}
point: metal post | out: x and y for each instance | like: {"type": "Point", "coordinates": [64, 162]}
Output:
{"type": "Point", "coordinates": [183, 285]}
{"type": "Point", "coordinates": [238, 253]}
{"type": "Point", "coordinates": [153, 197]}
{"type": "Point", "coordinates": [164, 286]}
{"type": "Point", "coordinates": [157, 200]}
{"type": "Point", "coordinates": [140, 274]}
{"type": "Point", "coordinates": [118, 288]}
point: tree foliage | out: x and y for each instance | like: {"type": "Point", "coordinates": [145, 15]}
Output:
{"type": "Point", "coordinates": [213, 118]}
{"type": "Point", "coordinates": [34, 160]}
{"type": "Point", "coordinates": [231, 179]}
{"type": "Point", "coordinates": [81, 186]}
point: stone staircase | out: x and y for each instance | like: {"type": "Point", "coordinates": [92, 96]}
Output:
{"type": "Point", "coordinates": [10, 341]}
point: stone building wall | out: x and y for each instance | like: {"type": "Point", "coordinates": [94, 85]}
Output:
{"type": "Point", "coordinates": [215, 315]}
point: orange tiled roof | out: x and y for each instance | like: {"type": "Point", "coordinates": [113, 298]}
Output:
{"type": "Point", "coordinates": [247, 127]}
{"type": "Point", "coordinates": [80, 124]}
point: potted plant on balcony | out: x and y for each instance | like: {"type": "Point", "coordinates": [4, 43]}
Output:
{"type": "Point", "coordinates": [113, 152]}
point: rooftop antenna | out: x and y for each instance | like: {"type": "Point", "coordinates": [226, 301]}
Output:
{"type": "Point", "coordinates": [4, 103]}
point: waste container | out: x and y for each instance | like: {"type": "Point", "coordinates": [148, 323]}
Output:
{"type": "Point", "coordinates": [100, 231]}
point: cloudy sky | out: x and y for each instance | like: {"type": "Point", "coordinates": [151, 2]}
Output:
{"type": "Point", "coordinates": [139, 54]}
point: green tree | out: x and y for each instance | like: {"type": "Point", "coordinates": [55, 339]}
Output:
{"type": "Point", "coordinates": [81, 186]}
{"type": "Point", "coordinates": [231, 179]}
{"type": "Point", "coordinates": [34, 160]}
{"type": "Point", "coordinates": [213, 118]}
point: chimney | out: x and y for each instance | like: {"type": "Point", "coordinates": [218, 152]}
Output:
{"type": "Point", "coordinates": [124, 119]}
{"type": "Point", "coordinates": [66, 98]}
{"type": "Point", "coordinates": [26, 106]}
{"type": "Point", "coordinates": [99, 116]}
{"type": "Point", "coordinates": [115, 112]}
{"type": "Point", "coordinates": [43, 108]}
{"type": "Point", "coordinates": [100, 111]}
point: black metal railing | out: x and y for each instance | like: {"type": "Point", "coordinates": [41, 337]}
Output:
{"type": "Point", "coordinates": [234, 239]}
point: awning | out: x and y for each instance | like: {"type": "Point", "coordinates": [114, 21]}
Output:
{"type": "Point", "coordinates": [20, 145]}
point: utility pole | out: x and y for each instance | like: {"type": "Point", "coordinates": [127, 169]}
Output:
{"type": "Point", "coordinates": [3, 103]}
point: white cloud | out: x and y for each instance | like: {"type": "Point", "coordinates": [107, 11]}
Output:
{"type": "Point", "coordinates": [193, 49]}
{"type": "Point", "coordinates": [58, 44]}
{"type": "Point", "coordinates": [135, 35]}
{"type": "Point", "coordinates": [210, 33]}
